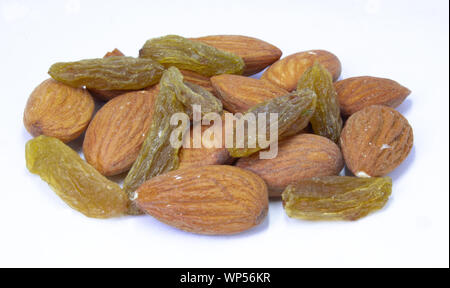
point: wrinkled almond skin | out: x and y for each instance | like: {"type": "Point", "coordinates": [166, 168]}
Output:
{"type": "Point", "coordinates": [196, 157]}
{"type": "Point", "coordinates": [57, 110]}
{"type": "Point", "coordinates": [299, 157]}
{"type": "Point", "coordinates": [257, 54]}
{"type": "Point", "coordinates": [239, 93]}
{"type": "Point", "coordinates": [375, 140]}
{"type": "Point", "coordinates": [357, 93]}
{"type": "Point", "coordinates": [214, 200]}
{"type": "Point", "coordinates": [198, 79]}
{"type": "Point", "coordinates": [286, 72]}
{"type": "Point", "coordinates": [116, 133]}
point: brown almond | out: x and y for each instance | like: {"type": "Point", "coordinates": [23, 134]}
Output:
{"type": "Point", "coordinates": [239, 93]}
{"type": "Point", "coordinates": [215, 199]}
{"type": "Point", "coordinates": [196, 157]}
{"type": "Point", "coordinates": [115, 52]}
{"type": "Point", "coordinates": [299, 157]}
{"type": "Point", "coordinates": [357, 93]}
{"type": "Point", "coordinates": [257, 54]}
{"type": "Point", "coordinates": [57, 110]}
{"type": "Point", "coordinates": [116, 133]}
{"type": "Point", "coordinates": [375, 140]}
{"type": "Point", "coordinates": [286, 72]}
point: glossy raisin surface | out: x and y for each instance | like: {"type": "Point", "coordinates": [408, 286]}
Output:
{"type": "Point", "coordinates": [327, 120]}
{"type": "Point", "coordinates": [110, 73]}
{"type": "Point", "coordinates": [157, 155]}
{"type": "Point", "coordinates": [191, 94]}
{"type": "Point", "coordinates": [183, 53]}
{"type": "Point", "coordinates": [336, 197]}
{"type": "Point", "coordinates": [77, 183]}
{"type": "Point", "coordinates": [294, 112]}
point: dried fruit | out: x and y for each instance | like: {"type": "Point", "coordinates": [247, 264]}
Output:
{"type": "Point", "coordinates": [336, 197]}
{"type": "Point", "coordinates": [115, 135]}
{"type": "Point", "coordinates": [191, 94]}
{"type": "Point", "coordinates": [199, 80]}
{"type": "Point", "coordinates": [294, 112]}
{"type": "Point", "coordinates": [200, 96]}
{"type": "Point", "coordinates": [257, 54]}
{"type": "Point", "coordinates": [57, 110]}
{"type": "Point", "coordinates": [375, 140]}
{"type": "Point", "coordinates": [216, 199]}
{"type": "Point", "coordinates": [239, 93]}
{"type": "Point", "coordinates": [207, 154]}
{"type": "Point", "coordinates": [76, 182]}
{"type": "Point", "coordinates": [191, 55]}
{"type": "Point", "coordinates": [107, 95]}
{"type": "Point", "coordinates": [299, 157]}
{"type": "Point", "coordinates": [326, 120]}
{"type": "Point", "coordinates": [111, 73]}
{"type": "Point", "coordinates": [358, 92]}
{"type": "Point", "coordinates": [287, 71]}
{"type": "Point", "coordinates": [157, 155]}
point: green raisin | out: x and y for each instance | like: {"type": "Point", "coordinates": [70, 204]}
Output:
{"type": "Point", "coordinates": [294, 113]}
{"type": "Point", "coordinates": [336, 197]}
{"type": "Point", "coordinates": [327, 120]}
{"type": "Point", "coordinates": [200, 96]}
{"type": "Point", "coordinates": [77, 183]}
{"type": "Point", "coordinates": [190, 94]}
{"type": "Point", "coordinates": [111, 73]}
{"type": "Point", "coordinates": [157, 155]}
{"type": "Point", "coordinates": [191, 55]}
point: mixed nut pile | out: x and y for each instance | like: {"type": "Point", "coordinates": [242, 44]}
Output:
{"type": "Point", "coordinates": [323, 123]}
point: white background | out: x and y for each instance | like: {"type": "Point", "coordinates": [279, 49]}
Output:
{"type": "Point", "coordinates": [407, 41]}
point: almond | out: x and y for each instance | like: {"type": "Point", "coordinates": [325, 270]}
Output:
{"type": "Point", "coordinates": [216, 199]}
{"type": "Point", "coordinates": [286, 72]}
{"type": "Point", "coordinates": [375, 140]}
{"type": "Point", "coordinates": [359, 92]}
{"type": "Point", "coordinates": [116, 133]}
{"type": "Point", "coordinates": [196, 157]}
{"type": "Point", "coordinates": [257, 54]}
{"type": "Point", "coordinates": [299, 157]}
{"type": "Point", "coordinates": [115, 52]}
{"type": "Point", "coordinates": [239, 93]}
{"type": "Point", "coordinates": [57, 110]}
